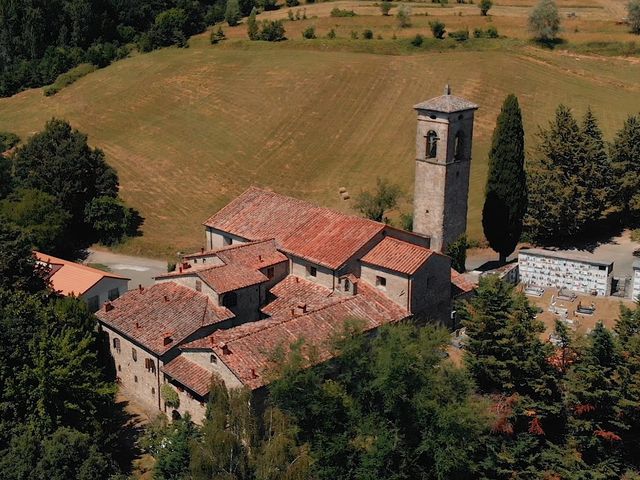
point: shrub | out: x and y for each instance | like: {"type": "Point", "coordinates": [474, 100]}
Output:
{"type": "Point", "coordinates": [170, 396]}
{"type": "Point", "coordinates": [404, 17]}
{"type": "Point", "coordinates": [385, 7]}
{"type": "Point", "coordinates": [633, 15]}
{"type": "Point", "coordinates": [492, 32]}
{"type": "Point", "coordinates": [437, 29]}
{"type": "Point", "coordinates": [332, 34]}
{"type": "Point", "coordinates": [292, 3]}
{"type": "Point", "coordinates": [485, 6]}
{"type": "Point", "coordinates": [272, 31]}
{"type": "Point", "coordinates": [232, 13]}
{"type": "Point", "coordinates": [544, 21]}
{"type": "Point", "coordinates": [252, 26]}
{"type": "Point", "coordinates": [69, 77]}
{"type": "Point", "coordinates": [337, 12]}
{"type": "Point", "coordinates": [309, 33]}
{"type": "Point", "coordinates": [417, 41]}
{"type": "Point", "coordinates": [171, 267]}
{"type": "Point", "coordinates": [8, 140]}
{"type": "Point", "coordinates": [460, 35]}
{"type": "Point", "coordinates": [217, 36]}
{"type": "Point", "coordinates": [290, 15]}
{"type": "Point", "coordinates": [367, 34]}
{"type": "Point", "coordinates": [354, 35]}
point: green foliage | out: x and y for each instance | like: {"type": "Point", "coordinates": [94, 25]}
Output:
{"type": "Point", "coordinates": [406, 221]}
{"type": "Point", "coordinates": [68, 78]}
{"type": "Point", "coordinates": [367, 34]}
{"type": "Point", "coordinates": [633, 16]}
{"type": "Point", "coordinates": [544, 21]}
{"type": "Point", "coordinates": [17, 264]}
{"type": "Point", "coordinates": [309, 33]}
{"type": "Point", "coordinates": [490, 32]}
{"type": "Point", "coordinates": [232, 13]}
{"type": "Point", "coordinates": [417, 41]}
{"type": "Point", "coordinates": [39, 216]}
{"type": "Point", "coordinates": [111, 220]}
{"type": "Point", "coordinates": [385, 7]}
{"type": "Point", "coordinates": [8, 140]}
{"type": "Point", "coordinates": [458, 252]}
{"type": "Point", "coordinates": [506, 190]}
{"type": "Point", "coordinates": [252, 26]}
{"type": "Point", "coordinates": [331, 34]}
{"type": "Point", "coordinates": [485, 6]}
{"type": "Point", "coordinates": [272, 31]}
{"type": "Point", "coordinates": [169, 396]}
{"type": "Point", "coordinates": [173, 457]}
{"type": "Point", "coordinates": [217, 36]}
{"type": "Point", "coordinates": [459, 35]}
{"type": "Point", "coordinates": [437, 29]}
{"type": "Point", "coordinates": [386, 405]}
{"type": "Point", "coordinates": [292, 3]}
{"type": "Point", "coordinates": [170, 28]}
{"type": "Point", "coordinates": [403, 16]}
{"type": "Point", "coordinates": [337, 12]}
{"type": "Point", "coordinates": [625, 160]}
{"type": "Point", "coordinates": [373, 205]}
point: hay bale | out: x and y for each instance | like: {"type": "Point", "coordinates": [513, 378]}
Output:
{"type": "Point", "coordinates": [342, 190]}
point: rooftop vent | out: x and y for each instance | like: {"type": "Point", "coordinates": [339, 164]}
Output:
{"type": "Point", "coordinates": [253, 373]}
{"type": "Point", "coordinates": [140, 288]}
{"type": "Point", "coordinates": [225, 349]}
{"type": "Point", "coordinates": [108, 306]}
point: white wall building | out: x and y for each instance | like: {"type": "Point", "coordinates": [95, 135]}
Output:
{"type": "Point", "coordinates": [545, 268]}
{"type": "Point", "coordinates": [635, 281]}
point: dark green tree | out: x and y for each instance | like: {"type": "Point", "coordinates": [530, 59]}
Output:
{"type": "Point", "coordinates": [596, 181]}
{"type": "Point", "coordinates": [17, 264]}
{"type": "Point", "coordinates": [458, 252]}
{"type": "Point", "coordinates": [374, 205]}
{"type": "Point", "coordinates": [172, 459]}
{"type": "Point", "coordinates": [625, 159]}
{"type": "Point", "coordinates": [252, 26]}
{"type": "Point", "coordinates": [485, 6]}
{"type": "Point", "coordinates": [506, 192]}
{"type": "Point", "coordinates": [111, 220]}
{"type": "Point", "coordinates": [232, 13]}
{"type": "Point", "coordinates": [8, 140]}
{"type": "Point", "coordinates": [544, 21]}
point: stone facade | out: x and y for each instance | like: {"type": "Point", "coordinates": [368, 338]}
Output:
{"type": "Point", "coordinates": [635, 291]}
{"type": "Point", "coordinates": [443, 163]}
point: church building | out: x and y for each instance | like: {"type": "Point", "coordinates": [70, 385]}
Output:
{"type": "Point", "coordinates": [276, 269]}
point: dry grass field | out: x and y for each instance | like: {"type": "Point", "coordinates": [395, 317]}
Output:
{"type": "Point", "coordinates": [189, 129]}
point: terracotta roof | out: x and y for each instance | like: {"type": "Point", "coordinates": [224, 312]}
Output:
{"type": "Point", "coordinates": [189, 374]}
{"type": "Point", "coordinates": [248, 347]}
{"type": "Point", "coordinates": [399, 256]}
{"type": "Point", "coordinates": [146, 315]}
{"type": "Point", "coordinates": [446, 104]}
{"type": "Point", "coordinates": [294, 292]}
{"type": "Point", "coordinates": [461, 283]}
{"type": "Point", "coordinates": [228, 278]}
{"type": "Point", "coordinates": [259, 254]}
{"type": "Point", "coordinates": [303, 229]}
{"type": "Point", "coordinates": [70, 278]}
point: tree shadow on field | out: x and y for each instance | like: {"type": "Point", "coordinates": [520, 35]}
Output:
{"type": "Point", "coordinates": [549, 44]}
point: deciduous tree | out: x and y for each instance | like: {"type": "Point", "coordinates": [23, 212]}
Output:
{"type": "Point", "coordinates": [544, 21]}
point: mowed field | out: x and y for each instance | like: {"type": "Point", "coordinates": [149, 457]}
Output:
{"type": "Point", "coordinates": [189, 129]}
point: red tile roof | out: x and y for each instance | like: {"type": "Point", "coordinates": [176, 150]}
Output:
{"type": "Point", "coordinates": [189, 374]}
{"type": "Point", "coordinates": [251, 344]}
{"type": "Point", "coordinates": [228, 278]}
{"type": "Point", "coordinates": [293, 292]}
{"type": "Point", "coordinates": [70, 278]}
{"type": "Point", "coordinates": [399, 256]}
{"type": "Point", "coordinates": [461, 283]}
{"type": "Point", "coordinates": [146, 315]}
{"type": "Point", "coordinates": [302, 229]}
{"type": "Point", "coordinates": [259, 254]}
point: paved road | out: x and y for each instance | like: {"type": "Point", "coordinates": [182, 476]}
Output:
{"type": "Point", "coordinates": [139, 269]}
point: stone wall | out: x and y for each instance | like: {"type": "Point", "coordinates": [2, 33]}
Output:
{"type": "Point", "coordinates": [324, 276]}
{"type": "Point", "coordinates": [215, 239]}
{"type": "Point", "coordinates": [397, 285]}
{"type": "Point", "coordinates": [431, 291]}
{"type": "Point", "coordinates": [102, 288]}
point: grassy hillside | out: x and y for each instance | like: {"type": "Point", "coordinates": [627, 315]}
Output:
{"type": "Point", "coordinates": [189, 129]}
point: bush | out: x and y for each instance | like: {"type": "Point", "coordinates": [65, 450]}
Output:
{"type": "Point", "coordinates": [337, 12]}
{"type": "Point", "coordinates": [292, 3]}
{"type": "Point", "coordinates": [417, 41]}
{"type": "Point", "coordinates": [309, 33]}
{"type": "Point", "coordinates": [437, 29]}
{"type": "Point", "coordinates": [485, 6]}
{"type": "Point", "coordinates": [217, 36]}
{"type": "Point", "coordinates": [170, 396]}
{"type": "Point", "coordinates": [8, 140]}
{"type": "Point", "coordinates": [633, 15]}
{"type": "Point", "coordinates": [367, 34]}
{"type": "Point", "coordinates": [232, 13]}
{"type": "Point", "coordinates": [491, 32]}
{"type": "Point", "coordinates": [332, 34]}
{"type": "Point", "coordinates": [272, 31]}
{"type": "Point", "coordinates": [385, 7]}
{"type": "Point", "coordinates": [403, 17]}
{"type": "Point", "coordinates": [460, 35]}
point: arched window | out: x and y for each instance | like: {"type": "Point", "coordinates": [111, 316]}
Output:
{"type": "Point", "coordinates": [432, 144]}
{"type": "Point", "coordinates": [230, 299]}
{"type": "Point", "coordinates": [458, 146]}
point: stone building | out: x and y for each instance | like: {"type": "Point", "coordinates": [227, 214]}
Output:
{"type": "Point", "coordinates": [276, 269]}
{"type": "Point", "coordinates": [635, 282]}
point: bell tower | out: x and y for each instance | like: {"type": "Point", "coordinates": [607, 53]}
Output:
{"type": "Point", "coordinates": [443, 163]}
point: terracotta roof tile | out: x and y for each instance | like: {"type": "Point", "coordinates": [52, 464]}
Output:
{"type": "Point", "coordinates": [246, 349]}
{"type": "Point", "coordinates": [228, 278]}
{"type": "Point", "coordinates": [399, 256]}
{"type": "Point", "coordinates": [292, 292]}
{"type": "Point", "coordinates": [146, 315]}
{"type": "Point", "coordinates": [300, 228]}
{"type": "Point", "coordinates": [461, 282]}
{"type": "Point", "coordinates": [446, 104]}
{"type": "Point", "coordinates": [257, 254]}
{"type": "Point", "coordinates": [189, 374]}
{"type": "Point", "coordinates": [70, 278]}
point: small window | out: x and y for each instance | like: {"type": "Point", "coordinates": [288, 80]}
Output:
{"type": "Point", "coordinates": [381, 282]}
{"type": "Point", "coordinates": [93, 303]}
{"type": "Point", "coordinates": [227, 241]}
{"type": "Point", "coordinates": [213, 359]}
{"type": "Point", "coordinates": [270, 273]}
{"type": "Point", "coordinates": [114, 293]}
{"type": "Point", "coordinates": [119, 368]}
{"type": "Point", "coordinates": [195, 260]}
{"type": "Point", "coordinates": [153, 391]}
{"type": "Point", "coordinates": [347, 284]}
{"type": "Point", "coordinates": [432, 144]}
{"type": "Point", "coordinates": [458, 146]}
{"type": "Point", "coordinates": [198, 285]}
{"type": "Point", "coordinates": [135, 378]}
{"type": "Point", "coordinates": [230, 299]}
{"type": "Point", "coordinates": [116, 344]}
{"type": "Point", "coordinates": [134, 354]}
{"type": "Point", "coordinates": [150, 365]}
{"type": "Point", "coordinates": [312, 271]}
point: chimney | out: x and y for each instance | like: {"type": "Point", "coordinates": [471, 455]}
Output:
{"type": "Point", "coordinates": [297, 280]}
{"type": "Point", "coordinates": [201, 250]}
{"type": "Point", "coordinates": [302, 308]}
{"type": "Point", "coordinates": [225, 349]}
{"type": "Point", "coordinates": [293, 312]}
{"type": "Point", "coordinates": [253, 373]}
{"type": "Point", "coordinates": [447, 89]}
{"type": "Point", "coordinates": [166, 298]}
{"type": "Point", "coordinates": [166, 339]}
{"type": "Point", "coordinates": [180, 268]}
{"type": "Point", "coordinates": [137, 325]}
{"type": "Point", "coordinates": [140, 288]}
{"type": "Point", "coordinates": [260, 258]}
{"type": "Point", "coordinates": [108, 306]}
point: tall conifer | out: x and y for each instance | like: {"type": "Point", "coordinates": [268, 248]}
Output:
{"type": "Point", "coordinates": [625, 158]}
{"type": "Point", "coordinates": [506, 192]}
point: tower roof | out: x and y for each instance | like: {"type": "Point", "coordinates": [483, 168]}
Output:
{"type": "Point", "coordinates": [446, 103]}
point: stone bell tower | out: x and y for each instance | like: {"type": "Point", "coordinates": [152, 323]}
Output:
{"type": "Point", "coordinates": [443, 163]}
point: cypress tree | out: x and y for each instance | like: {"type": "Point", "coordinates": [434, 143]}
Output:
{"type": "Point", "coordinates": [506, 191]}
{"type": "Point", "coordinates": [252, 26]}
{"type": "Point", "coordinates": [232, 13]}
{"type": "Point", "coordinates": [625, 158]}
